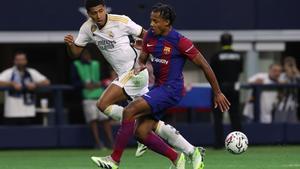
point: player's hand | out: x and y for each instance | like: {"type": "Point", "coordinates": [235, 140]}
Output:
{"type": "Point", "coordinates": [16, 86]}
{"type": "Point", "coordinates": [221, 101]}
{"type": "Point", "coordinates": [138, 44]}
{"type": "Point", "coordinates": [139, 68]}
{"type": "Point", "coordinates": [69, 40]}
{"type": "Point", "coordinates": [31, 86]}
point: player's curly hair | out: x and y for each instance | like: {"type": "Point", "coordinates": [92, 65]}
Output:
{"type": "Point", "coordinates": [166, 11]}
{"type": "Point", "coordinates": [92, 3]}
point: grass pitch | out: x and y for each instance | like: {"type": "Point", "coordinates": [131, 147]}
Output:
{"type": "Point", "coordinates": [261, 157]}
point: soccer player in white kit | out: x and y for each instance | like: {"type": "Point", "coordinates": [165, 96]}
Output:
{"type": "Point", "coordinates": [110, 33]}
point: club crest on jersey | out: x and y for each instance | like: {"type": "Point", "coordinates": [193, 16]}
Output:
{"type": "Point", "coordinates": [167, 50]}
{"type": "Point", "coordinates": [110, 34]}
{"type": "Point", "coordinates": [93, 28]}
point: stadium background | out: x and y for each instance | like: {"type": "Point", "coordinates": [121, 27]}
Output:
{"type": "Point", "coordinates": [263, 31]}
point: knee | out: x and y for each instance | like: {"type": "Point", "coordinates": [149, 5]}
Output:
{"type": "Point", "coordinates": [128, 113]}
{"type": "Point", "coordinates": [101, 105]}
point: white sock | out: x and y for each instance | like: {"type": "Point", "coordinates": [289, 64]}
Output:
{"type": "Point", "coordinates": [174, 138]}
{"type": "Point", "coordinates": [114, 111]}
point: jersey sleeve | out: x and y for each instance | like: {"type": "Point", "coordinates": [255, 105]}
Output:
{"type": "Point", "coordinates": [37, 76]}
{"type": "Point", "coordinates": [132, 28]}
{"type": "Point", "coordinates": [5, 76]}
{"type": "Point", "coordinates": [83, 37]}
{"type": "Point", "coordinates": [187, 48]}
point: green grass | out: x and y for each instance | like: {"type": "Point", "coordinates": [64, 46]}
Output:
{"type": "Point", "coordinates": [266, 157]}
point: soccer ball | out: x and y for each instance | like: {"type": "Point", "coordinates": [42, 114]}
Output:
{"type": "Point", "coordinates": [236, 142]}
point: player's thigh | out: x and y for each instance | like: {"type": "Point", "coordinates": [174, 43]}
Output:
{"type": "Point", "coordinates": [137, 108]}
{"type": "Point", "coordinates": [111, 95]}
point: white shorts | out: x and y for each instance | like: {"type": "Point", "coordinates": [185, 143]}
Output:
{"type": "Point", "coordinates": [91, 112]}
{"type": "Point", "coordinates": [134, 85]}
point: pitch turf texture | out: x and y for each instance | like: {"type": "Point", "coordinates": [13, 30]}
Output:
{"type": "Point", "coordinates": [270, 157]}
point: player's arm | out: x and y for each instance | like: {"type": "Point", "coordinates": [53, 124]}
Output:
{"type": "Point", "coordinates": [140, 65]}
{"type": "Point", "coordinates": [219, 99]}
{"type": "Point", "coordinates": [187, 48]}
{"type": "Point", "coordinates": [144, 55]}
{"type": "Point", "coordinates": [143, 33]}
{"type": "Point", "coordinates": [73, 50]}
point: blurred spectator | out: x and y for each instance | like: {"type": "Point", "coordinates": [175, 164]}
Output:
{"type": "Point", "coordinates": [227, 65]}
{"type": "Point", "coordinates": [286, 109]}
{"type": "Point", "coordinates": [19, 105]}
{"type": "Point", "coordinates": [268, 99]}
{"type": "Point", "coordinates": [86, 77]}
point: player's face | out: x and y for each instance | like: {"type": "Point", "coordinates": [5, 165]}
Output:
{"type": "Point", "coordinates": [98, 14]}
{"type": "Point", "coordinates": [158, 24]}
{"type": "Point", "coordinates": [20, 61]}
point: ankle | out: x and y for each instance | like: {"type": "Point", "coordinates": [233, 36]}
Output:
{"type": "Point", "coordinates": [176, 159]}
{"type": "Point", "coordinates": [113, 160]}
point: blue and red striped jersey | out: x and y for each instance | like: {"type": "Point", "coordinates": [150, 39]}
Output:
{"type": "Point", "coordinates": [168, 55]}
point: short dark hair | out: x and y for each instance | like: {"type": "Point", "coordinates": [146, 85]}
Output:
{"type": "Point", "coordinates": [92, 3]}
{"type": "Point", "coordinates": [166, 11]}
{"type": "Point", "coordinates": [18, 52]}
{"type": "Point", "coordinates": [226, 39]}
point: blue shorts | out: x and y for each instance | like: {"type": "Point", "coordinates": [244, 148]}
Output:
{"type": "Point", "coordinates": [161, 98]}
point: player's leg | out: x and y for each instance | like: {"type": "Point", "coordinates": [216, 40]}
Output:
{"type": "Point", "coordinates": [106, 103]}
{"type": "Point", "coordinates": [144, 133]}
{"type": "Point", "coordinates": [176, 140]}
{"type": "Point", "coordinates": [127, 86]}
{"type": "Point", "coordinates": [135, 109]}
{"type": "Point", "coordinates": [173, 137]}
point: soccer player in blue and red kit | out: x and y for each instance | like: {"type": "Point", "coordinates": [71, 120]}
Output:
{"type": "Point", "coordinates": [169, 51]}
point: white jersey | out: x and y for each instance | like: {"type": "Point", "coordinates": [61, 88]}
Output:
{"type": "Point", "coordinates": [112, 40]}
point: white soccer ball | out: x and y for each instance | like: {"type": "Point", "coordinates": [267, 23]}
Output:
{"type": "Point", "coordinates": [236, 142]}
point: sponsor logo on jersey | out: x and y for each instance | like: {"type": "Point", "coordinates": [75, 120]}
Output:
{"type": "Point", "coordinates": [157, 60]}
{"type": "Point", "coordinates": [167, 50]}
{"type": "Point", "coordinates": [106, 44]}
